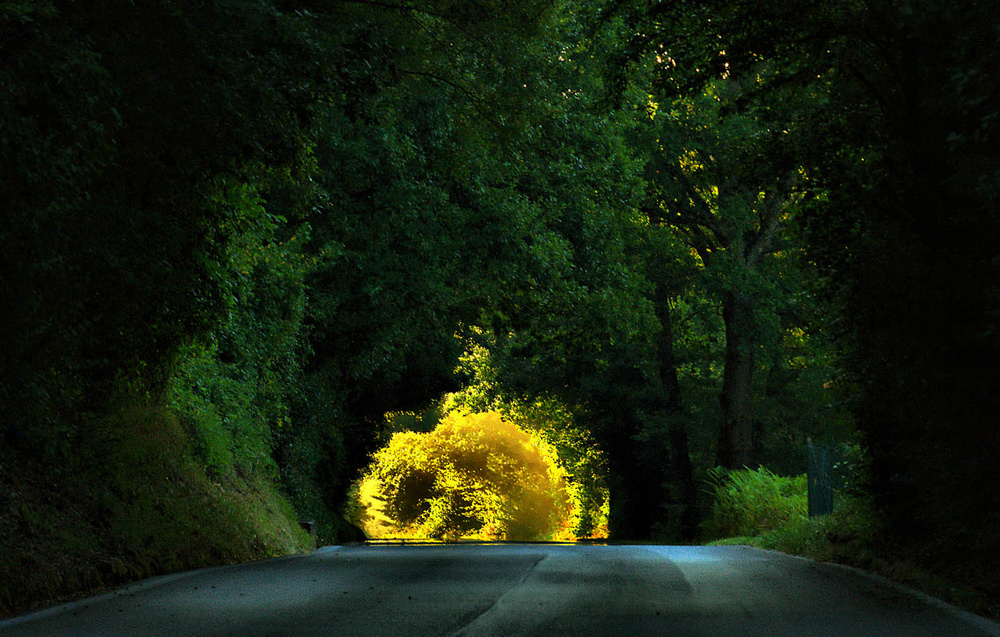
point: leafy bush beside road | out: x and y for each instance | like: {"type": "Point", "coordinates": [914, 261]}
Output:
{"type": "Point", "coordinates": [475, 475]}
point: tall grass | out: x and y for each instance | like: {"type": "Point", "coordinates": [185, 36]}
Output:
{"type": "Point", "coordinates": [752, 502]}
{"type": "Point", "coordinates": [762, 509]}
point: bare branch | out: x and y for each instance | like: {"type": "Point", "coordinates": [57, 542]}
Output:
{"type": "Point", "coordinates": [764, 237]}
{"type": "Point", "coordinates": [703, 212]}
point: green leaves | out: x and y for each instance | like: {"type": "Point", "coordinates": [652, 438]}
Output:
{"type": "Point", "coordinates": [754, 502]}
{"type": "Point", "coordinates": [286, 227]}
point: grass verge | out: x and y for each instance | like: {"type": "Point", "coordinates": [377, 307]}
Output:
{"type": "Point", "coordinates": [853, 536]}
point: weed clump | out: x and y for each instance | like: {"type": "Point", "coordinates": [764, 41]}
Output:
{"type": "Point", "coordinates": [751, 502]}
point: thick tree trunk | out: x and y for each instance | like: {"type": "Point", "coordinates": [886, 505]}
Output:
{"type": "Point", "coordinates": [680, 471]}
{"type": "Point", "coordinates": [635, 493]}
{"type": "Point", "coordinates": [636, 483]}
{"type": "Point", "coordinates": [736, 444]}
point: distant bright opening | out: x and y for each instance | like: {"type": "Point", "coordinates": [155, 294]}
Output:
{"type": "Point", "coordinates": [475, 476]}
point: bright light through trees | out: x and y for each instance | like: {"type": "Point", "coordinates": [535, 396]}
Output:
{"type": "Point", "coordinates": [476, 475]}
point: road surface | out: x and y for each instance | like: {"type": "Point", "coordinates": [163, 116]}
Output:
{"type": "Point", "coordinates": [519, 590]}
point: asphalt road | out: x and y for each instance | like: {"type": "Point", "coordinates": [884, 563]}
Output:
{"type": "Point", "coordinates": [526, 589]}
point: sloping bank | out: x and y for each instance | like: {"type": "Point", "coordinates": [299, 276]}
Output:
{"type": "Point", "coordinates": [132, 501]}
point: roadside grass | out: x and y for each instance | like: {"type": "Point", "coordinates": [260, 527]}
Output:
{"type": "Point", "coordinates": [852, 535]}
{"type": "Point", "coordinates": [135, 504]}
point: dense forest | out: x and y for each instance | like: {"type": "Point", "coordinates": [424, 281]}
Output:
{"type": "Point", "coordinates": [239, 236]}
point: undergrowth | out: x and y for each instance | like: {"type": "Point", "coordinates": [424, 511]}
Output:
{"type": "Point", "coordinates": [752, 502]}
{"type": "Point", "coordinates": [133, 503]}
{"type": "Point", "coordinates": [761, 509]}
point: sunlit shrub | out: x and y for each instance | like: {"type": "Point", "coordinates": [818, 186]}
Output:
{"type": "Point", "coordinates": [474, 475]}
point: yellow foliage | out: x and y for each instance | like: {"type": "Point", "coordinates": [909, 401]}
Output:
{"type": "Point", "coordinates": [474, 476]}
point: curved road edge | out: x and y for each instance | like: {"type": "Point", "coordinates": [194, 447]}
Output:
{"type": "Point", "coordinates": [140, 585]}
{"type": "Point", "coordinates": [984, 623]}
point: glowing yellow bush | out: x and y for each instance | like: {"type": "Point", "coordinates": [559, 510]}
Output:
{"type": "Point", "coordinates": [473, 476]}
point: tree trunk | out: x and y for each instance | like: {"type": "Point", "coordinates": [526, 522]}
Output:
{"type": "Point", "coordinates": [680, 471]}
{"type": "Point", "coordinates": [736, 445]}
{"type": "Point", "coordinates": [635, 496]}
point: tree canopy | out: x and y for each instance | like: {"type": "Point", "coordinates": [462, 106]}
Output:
{"type": "Point", "coordinates": [679, 235]}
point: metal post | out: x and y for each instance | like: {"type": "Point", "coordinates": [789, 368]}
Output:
{"type": "Point", "coordinates": [821, 461]}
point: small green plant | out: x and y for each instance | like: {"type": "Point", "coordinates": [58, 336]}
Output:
{"type": "Point", "coordinates": [751, 502]}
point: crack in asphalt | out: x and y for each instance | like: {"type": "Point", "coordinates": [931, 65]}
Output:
{"type": "Point", "coordinates": [470, 619]}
